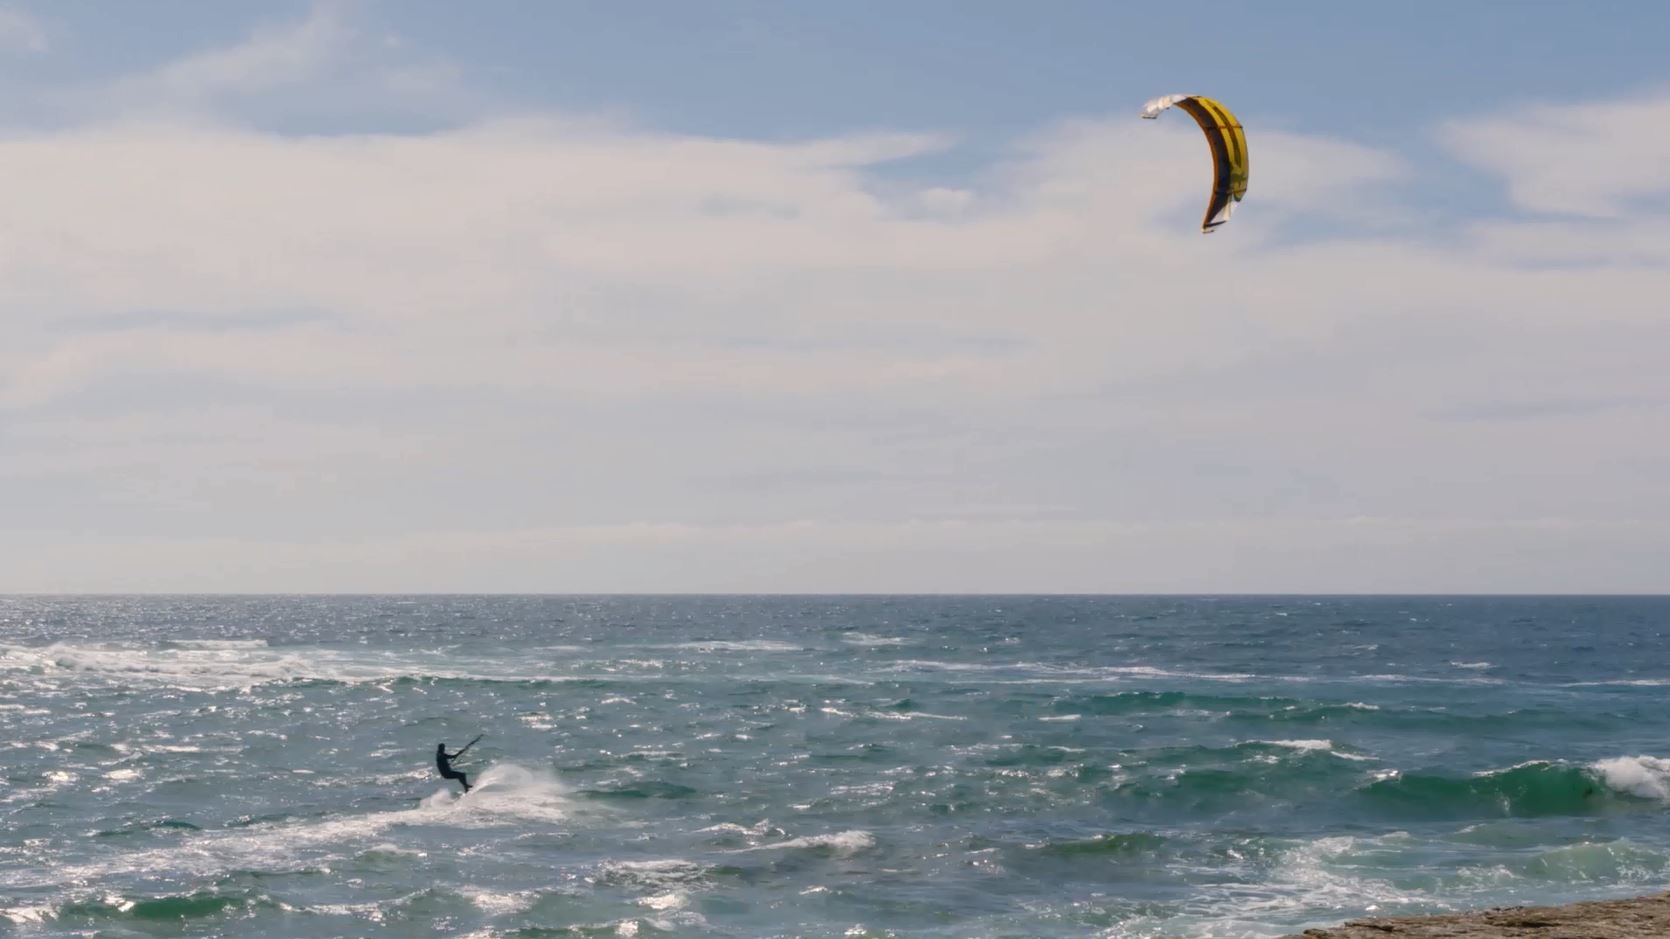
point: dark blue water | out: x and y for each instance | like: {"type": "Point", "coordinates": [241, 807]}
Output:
{"type": "Point", "coordinates": [822, 766]}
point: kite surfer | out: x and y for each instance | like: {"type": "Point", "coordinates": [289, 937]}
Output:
{"type": "Point", "coordinates": [443, 762]}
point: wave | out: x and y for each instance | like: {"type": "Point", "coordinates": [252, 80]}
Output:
{"type": "Point", "coordinates": [1620, 683]}
{"type": "Point", "coordinates": [141, 827]}
{"type": "Point", "coordinates": [1645, 777]}
{"type": "Point", "coordinates": [1138, 702]}
{"type": "Point", "coordinates": [657, 874]}
{"type": "Point", "coordinates": [214, 645]}
{"type": "Point", "coordinates": [1046, 673]}
{"type": "Point", "coordinates": [173, 908]}
{"type": "Point", "coordinates": [1400, 679]}
{"type": "Point", "coordinates": [648, 789]}
{"type": "Point", "coordinates": [1253, 711]}
{"type": "Point", "coordinates": [1186, 781]}
{"type": "Point", "coordinates": [1128, 843]}
{"type": "Point", "coordinates": [867, 640]}
{"type": "Point", "coordinates": [734, 645]}
{"type": "Point", "coordinates": [1239, 707]}
{"type": "Point", "coordinates": [1618, 861]}
{"type": "Point", "coordinates": [1299, 744]}
{"type": "Point", "coordinates": [1538, 788]}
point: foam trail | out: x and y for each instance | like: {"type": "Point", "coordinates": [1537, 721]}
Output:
{"type": "Point", "coordinates": [507, 794]}
{"type": "Point", "coordinates": [506, 790]}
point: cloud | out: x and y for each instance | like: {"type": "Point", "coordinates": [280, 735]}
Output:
{"type": "Point", "coordinates": [1593, 159]}
{"type": "Point", "coordinates": [557, 352]}
{"type": "Point", "coordinates": [20, 32]}
{"type": "Point", "coordinates": [272, 57]}
{"type": "Point", "coordinates": [323, 73]}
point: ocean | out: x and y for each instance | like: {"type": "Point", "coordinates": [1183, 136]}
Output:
{"type": "Point", "coordinates": [822, 766]}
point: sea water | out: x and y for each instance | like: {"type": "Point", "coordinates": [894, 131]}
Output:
{"type": "Point", "coordinates": [821, 766]}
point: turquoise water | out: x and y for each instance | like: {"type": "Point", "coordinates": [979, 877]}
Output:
{"type": "Point", "coordinates": [821, 766]}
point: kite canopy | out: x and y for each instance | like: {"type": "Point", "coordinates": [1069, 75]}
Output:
{"type": "Point", "coordinates": [1229, 151]}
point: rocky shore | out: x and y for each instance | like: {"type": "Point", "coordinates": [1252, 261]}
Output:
{"type": "Point", "coordinates": [1635, 918]}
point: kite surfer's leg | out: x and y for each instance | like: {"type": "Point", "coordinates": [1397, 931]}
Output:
{"type": "Point", "coordinates": [454, 774]}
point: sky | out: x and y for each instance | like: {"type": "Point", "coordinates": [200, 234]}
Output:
{"type": "Point", "coordinates": [804, 297]}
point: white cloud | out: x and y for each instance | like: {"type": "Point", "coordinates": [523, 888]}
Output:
{"type": "Point", "coordinates": [1592, 159]}
{"type": "Point", "coordinates": [274, 56]}
{"type": "Point", "coordinates": [322, 71]}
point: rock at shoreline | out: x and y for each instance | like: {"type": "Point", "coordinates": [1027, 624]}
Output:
{"type": "Point", "coordinates": [1636, 918]}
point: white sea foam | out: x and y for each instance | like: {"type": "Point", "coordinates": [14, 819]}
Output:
{"type": "Point", "coordinates": [661, 874]}
{"type": "Point", "coordinates": [29, 915]}
{"type": "Point", "coordinates": [499, 904]}
{"type": "Point", "coordinates": [215, 645]}
{"type": "Point", "coordinates": [666, 902]}
{"type": "Point", "coordinates": [913, 716]}
{"type": "Point", "coordinates": [1645, 777]}
{"type": "Point", "coordinates": [1042, 673]}
{"type": "Point", "coordinates": [1620, 682]}
{"type": "Point", "coordinates": [1473, 665]}
{"type": "Point", "coordinates": [842, 844]}
{"type": "Point", "coordinates": [762, 827]}
{"type": "Point", "coordinates": [1149, 671]}
{"type": "Point", "coordinates": [505, 792]}
{"type": "Point", "coordinates": [216, 665]}
{"type": "Point", "coordinates": [865, 639]}
{"type": "Point", "coordinates": [1309, 884]}
{"type": "Point", "coordinates": [729, 645]}
{"type": "Point", "coordinates": [1427, 680]}
{"type": "Point", "coordinates": [1312, 746]}
{"type": "Point", "coordinates": [1300, 744]}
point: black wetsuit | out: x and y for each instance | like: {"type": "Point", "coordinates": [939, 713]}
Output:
{"type": "Point", "coordinates": [443, 762]}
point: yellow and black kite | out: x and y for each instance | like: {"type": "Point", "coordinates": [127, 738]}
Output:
{"type": "Point", "coordinates": [1229, 151]}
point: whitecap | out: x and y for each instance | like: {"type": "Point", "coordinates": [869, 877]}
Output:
{"type": "Point", "coordinates": [666, 902]}
{"type": "Point", "coordinates": [865, 639]}
{"type": "Point", "coordinates": [842, 844]}
{"type": "Point", "coordinates": [1646, 777]}
{"type": "Point", "coordinates": [1300, 744]}
{"type": "Point", "coordinates": [734, 645]}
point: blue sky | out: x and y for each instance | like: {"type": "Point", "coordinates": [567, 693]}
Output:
{"type": "Point", "coordinates": [831, 297]}
{"type": "Point", "coordinates": [728, 67]}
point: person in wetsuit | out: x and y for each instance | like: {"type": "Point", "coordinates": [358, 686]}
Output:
{"type": "Point", "coordinates": [443, 762]}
